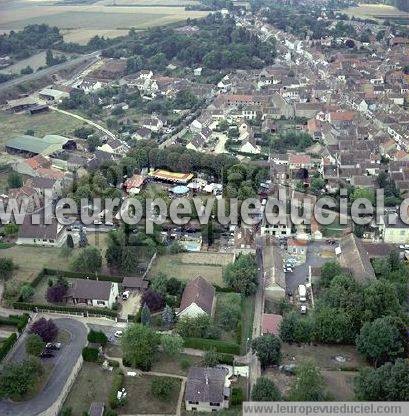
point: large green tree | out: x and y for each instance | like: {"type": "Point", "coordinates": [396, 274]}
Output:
{"type": "Point", "coordinates": [139, 344]}
{"type": "Point", "coordinates": [18, 379]}
{"type": "Point", "coordinates": [268, 349]}
{"type": "Point", "coordinates": [381, 340]}
{"type": "Point", "coordinates": [390, 382]}
{"type": "Point", "coordinates": [309, 384]}
{"type": "Point", "coordinates": [242, 274]}
{"type": "Point", "coordinates": [88, 260]}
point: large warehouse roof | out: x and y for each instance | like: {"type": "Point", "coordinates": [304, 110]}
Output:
{"type": "Point", "coordinates": [45, 146]}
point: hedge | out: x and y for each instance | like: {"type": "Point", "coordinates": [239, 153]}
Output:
{"type": "Point", "coordinates": [78, 275]}
{"type": "Point", "coordinates": [212, 344]}
{"type": "Point", "coordinates": [97, 337]}
{"type": "Point", "coordinates": [90, 354]}
{"type": "Point", "coordinates": [93, 311]}
{"type": "Point", "coordinates": [7, 344]}
{"type": "Point", "coordinates": [224, 289]}
{"type": "Point", "coordinates": [117, 384]}
{"type": "Point", "coordinates": [19, 321]}
{"type": "Point", "coordinates": [225, 358]}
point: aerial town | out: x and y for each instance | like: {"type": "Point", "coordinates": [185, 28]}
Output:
{"type": "Point", "coordinates": [121, 306]}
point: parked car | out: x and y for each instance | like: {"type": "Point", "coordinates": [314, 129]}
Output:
{"type": "Point", "coordinates": [303, 309]}
{"type": "Point", "coordinates": [288, 270]}
{"type": "Point", "coordinates": [302, 291]}
{"type": "Point", "coordinates": [118, 334]}
{"type": "Point", "coordinates": [46, 354]}
{"type": "Point", "coordinates": [125, 295]}
{"type": "Point", "coordinates": [53, 346]}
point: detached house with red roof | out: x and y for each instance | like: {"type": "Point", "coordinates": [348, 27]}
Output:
{"type": "Point", "coordinates": [198, 298]}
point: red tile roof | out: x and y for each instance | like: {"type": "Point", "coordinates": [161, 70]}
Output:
{"type": "Point", "coordinates": [271, 323]}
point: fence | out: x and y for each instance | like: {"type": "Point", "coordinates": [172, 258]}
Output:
{"type": "Point", "coordinates": [149, 265]}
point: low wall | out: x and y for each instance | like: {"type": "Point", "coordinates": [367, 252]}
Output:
{"type": "Point", "coordinates": [55, 409]}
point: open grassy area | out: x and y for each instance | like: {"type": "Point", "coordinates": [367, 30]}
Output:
{"type": "Point", "coordinates": [146, 403]}
{"type": "Point", "coordinates": [31, 260]}
{"type": "Point", "coordinates": [323, 355]}
{"type": "Point", "coordinates": [227, 301]}
{"type": "Point", "coordinates": [340, 384]}
{"type": "Point", "coordinates": [176, 265]}
{"type": "Point", "coordinates": [175, 365]}
{"type": "Point", "coordinates": [42, 124]}
{"type": "Point", "coordinates": [247, 319]}
{"type": "Point", "coordinates": [377, 11]}
{"type": "Point", "coordinates": [92, 384]}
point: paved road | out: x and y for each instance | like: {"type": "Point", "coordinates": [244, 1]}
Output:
{"type": "Point", "coordinates": [85, 120]}
{"type": "Point", "coordinates": [300, 273]}
{"type": "Point", "coordinates": [47, 71]}
{"type": "Point", "coordinates": [64, 361]}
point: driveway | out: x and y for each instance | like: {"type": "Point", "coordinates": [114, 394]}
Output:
{"type": "Point", "coordinates": [314, 258]}
{"type": "Point", "coordinates": [64, 361]}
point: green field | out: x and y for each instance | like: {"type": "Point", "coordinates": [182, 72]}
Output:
{"type": "Point", "coordinates": [82, 21]}
{"type": "Point", "coordinates": [42, 124]}
{"type": "Point", "coordinates": [175, 265]}
{"type": "Point", "coordinates": [375, 11]}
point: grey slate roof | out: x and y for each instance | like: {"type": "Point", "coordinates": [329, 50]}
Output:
{"type": "Point", "coordinates": [355, 257]}
{"type": "Point", "coordinates": [89, 289]}
{"type": "Point", "coordinates": [206, 384]}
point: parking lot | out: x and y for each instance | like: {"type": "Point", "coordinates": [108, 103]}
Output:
{"type": "Point", "coordinates": [318, 253]}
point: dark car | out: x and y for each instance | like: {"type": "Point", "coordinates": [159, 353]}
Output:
{"type": "Point", "coordinates": [46, 354]}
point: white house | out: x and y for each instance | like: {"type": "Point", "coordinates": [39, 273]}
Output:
{"type": "Point", "coordinates": [93, 293]}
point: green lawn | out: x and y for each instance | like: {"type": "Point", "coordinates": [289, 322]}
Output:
{"type": "Point", "coordinates": [247, 318]}
{"type": "Point", "coordinates": [42, 124]}
{"type": "Point", "coordinates": [226, 300]}
{"type": "Point", "coordinates": [173, 365]}
{"type": "Point", "coordinates": [31, 260]}
{"type": "Point", "coordinates": [323, 355]}
{"type": "Point", "coordinates": [91, 385]}
{"type": "Point", "coordinates": [142, 401]}
{"type": "Point", "coordinates": [173, 266]}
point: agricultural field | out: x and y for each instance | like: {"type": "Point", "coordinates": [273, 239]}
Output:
{"type": "Point", "coordinates": [375, 11]}
{"type": "Point", "coordinates": [187, 266]}
{"type": "Point", "coordinates": [44, 123]}
{"type": "Point", "coordinates": [83, 20]}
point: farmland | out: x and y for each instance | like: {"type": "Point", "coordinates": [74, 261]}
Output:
{"type": "Point", "coordinates": [81, 22]}
{"type": "Point", "coordinates": [376, 11]}
{"type": "Point", "coordinates": [41, 124]}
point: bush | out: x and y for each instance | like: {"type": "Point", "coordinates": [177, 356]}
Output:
{"type": "Point", "coordinates": [117, 384]}
{"type": "Point", "coordinates": [185, 363]}
{"type": "Point", "coordinates": [162, 387]}
{"type": "Point", "coordinates": [209, 344]}
{"type": "Point", "coordinates": [34, 345]}
{"type": "Point", "coordinates": [97, 337]}
{"type": "Point", "coordinates": [90, 354]}
{"type": "Point", "coordinates": [7, 344]}
{"type": "Point", "coordinates": [237, 396]}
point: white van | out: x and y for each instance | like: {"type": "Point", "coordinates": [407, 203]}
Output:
{"type": "Point", "coordinates": [302, 291]}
